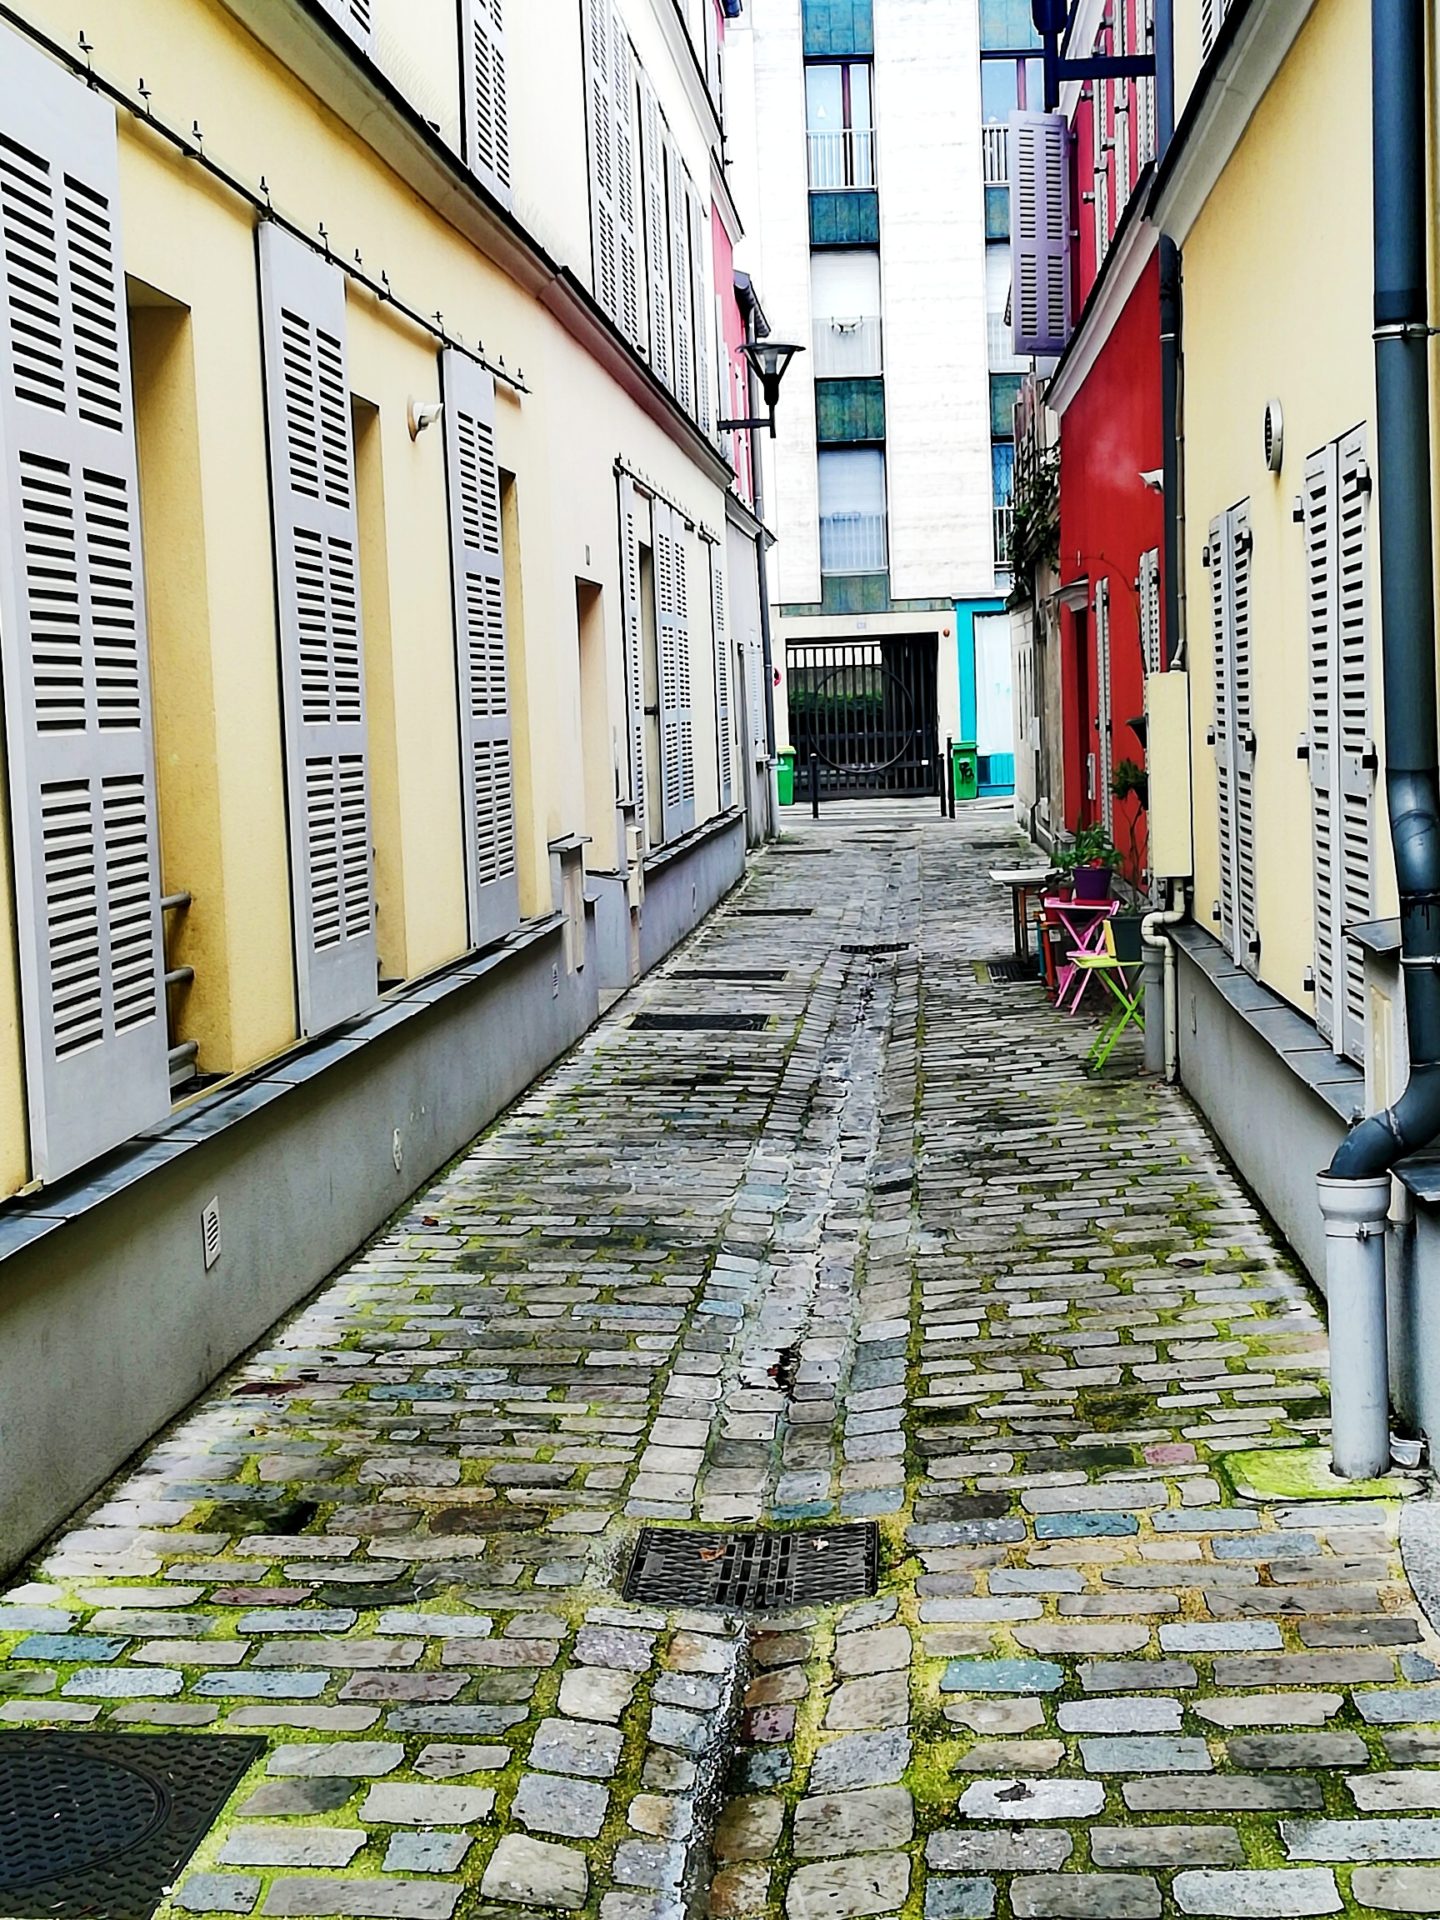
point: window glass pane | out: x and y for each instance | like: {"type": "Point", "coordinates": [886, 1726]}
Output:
{"type": "Point", "coordinates": [998, 95]}
{"type": "Point", "coordinates": [860, 114]}
{"type": "Point", "coordinates": [852, 481]}
{"type": "Point", "coordinates": [1002, 468]}
{"type": "Point", "coordinates": [1007, 24]}
{"type": "Point", "coordinates": [822, 100]}
{"type": "Point", "coordinates": [1032, 85]}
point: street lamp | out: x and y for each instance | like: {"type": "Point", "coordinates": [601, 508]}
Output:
{"type": "Point", "coordinates": [768, 360]}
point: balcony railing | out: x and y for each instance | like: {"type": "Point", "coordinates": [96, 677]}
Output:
{"type": "Point", "coordinates": [995, 154]}
{"type": "Point", "coordinates": [847, 349]}
{"type": "Point", "coordinates": [1004, 519]}
{"type": "Point", "coordinates": [853, 543]}
{"type": "Point", "coordinates": [845, 158]}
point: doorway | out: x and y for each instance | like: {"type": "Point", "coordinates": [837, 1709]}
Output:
{"type": "Point", "coordinates": [867, 709]}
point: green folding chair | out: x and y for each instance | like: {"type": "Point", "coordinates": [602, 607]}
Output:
{"type": "Point", "coordinates": [1117, 966]}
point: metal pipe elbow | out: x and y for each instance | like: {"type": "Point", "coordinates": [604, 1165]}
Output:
{"type": "Point", "coordinates": [1376, 1143]}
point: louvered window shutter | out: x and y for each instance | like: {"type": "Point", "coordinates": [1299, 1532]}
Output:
{"type": "Point", "coordinates": [720, 626]}
{"type": "Point", "coordinates": [599, 71]}
{"type": "Point", "coordinates": [1208, 12]}
{"type": "Point", "coordinates": [1356, 750]}
{"type": "Point", "coordinates": [682, 281]}
{"type": "Point", "coordinates": [354, 17]}
{"type": "Point", "coordinates": [634, 520]}
{"type": "Point", "coordinates": [657, 224]}
{"type": "Point", "coordinates": [486, 102]}
{"type": "Point", "coordinates": [629, 260]}
{"type": "Point", "coordinates": [1216, 552]}
{"type": "Point", "coordinates": [1319, 503]}
{"type": "Point", "coordinates": [312, 492]}
{"type": "Point", "coordinates": [478, 578]}
{"type": "Point", "coordinates": [1242, 738]}
{"type": "Point", "coordinates": [672, 620]}
{"type": "Point", "coordinates": [1104, 722]}
{"type": "Point", "coordinates": [759, 732]}
{"type": "Point", "coordinates": [700, 259]}
{"type": "Point", "coordinates": [1039, 232]}
{"type": "Point", "coordinates": [79, 749]}
{"type": "Point", "coordinates": [1122, 111]}
{"type": "Point", "coordinates": [1148, 586]}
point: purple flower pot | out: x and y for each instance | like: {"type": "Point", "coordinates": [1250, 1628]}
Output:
{"type": "Point", "coordinates": [1092, 883]}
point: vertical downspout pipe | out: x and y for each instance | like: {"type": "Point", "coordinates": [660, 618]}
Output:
{"type": "Point", "coordinates": [757, 485]}
{"type": "Point", "coordinates": [1354, 1192]}
{"type": "Point", "coordinates": [1407, 582]}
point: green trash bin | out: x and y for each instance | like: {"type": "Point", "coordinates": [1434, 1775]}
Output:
{"type": "Point", "coordinates": [785, 776]}
{"type": "Point", "coordinates": [965, 770]}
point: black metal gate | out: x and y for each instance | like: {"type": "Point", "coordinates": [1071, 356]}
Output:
{"type": "Point", "coordinates": [867, 709]}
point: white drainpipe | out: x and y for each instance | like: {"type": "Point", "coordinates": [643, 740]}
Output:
{"type": "Point", "coordinates": [1355, 1214]}
{"type": "Point", "coordinates": [1162, 944]}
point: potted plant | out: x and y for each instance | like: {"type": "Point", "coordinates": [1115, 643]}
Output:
{"type": "Point", "coordinates": [1090, 859]}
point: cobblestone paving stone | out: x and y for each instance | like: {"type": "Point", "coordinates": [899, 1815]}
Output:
{"type": "Point", "coordinates": [894, 1258]}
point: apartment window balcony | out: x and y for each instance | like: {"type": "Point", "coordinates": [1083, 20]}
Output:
{"type": "Point", "coordinates": [1003, 517]}
{"type": "Point", "coordinates": [848, 349]}
{"type": "Point", "coordinates": [995, 153]}
{"type": "Point", "coordinates": [853, 543]}
{"type": "Point", "coordinates": [841, 159]}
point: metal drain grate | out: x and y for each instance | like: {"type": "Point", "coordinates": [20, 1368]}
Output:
{"type": "Point", "coordinates": [1007, 972]}
{"type": "Point", "coordinates": [100, 1824]}
{"type": "Point", "coordinates": [700, 1022]}
{"type": "Point", "coordinates": [754, 1572]}
{"type": "Point", "coordinates": [775, 913]}
{"type": "Point", "coordinates": [742, 976]}
{"type": "Point", "coordinates": [888, 946]}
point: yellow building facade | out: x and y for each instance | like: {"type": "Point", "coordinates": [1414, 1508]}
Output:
{"type": "Point", "coordinates": [1284, 1010]}
{"type": "Point", "coordinates": [371, 696]}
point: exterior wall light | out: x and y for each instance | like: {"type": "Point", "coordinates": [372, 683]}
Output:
{"type": "Point", "coordinates": [419, 415]}
{"type": "Point", "coordinates": [767, 360]}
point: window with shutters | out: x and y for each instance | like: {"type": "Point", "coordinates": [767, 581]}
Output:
{"type": "Point", "coordinates": [1147, 587]}
{"type": "Point", "coordinates": [673, 594]}
{"type": "Point", "coordinates": [682, 279]}
{"type": "Point", "coordinates": [1104, 717]}
{"type": "Point", "coordinates": [1341, 754]}
{"type": "Point", "coordinates": [1039, 232]}
{"type": "Point", "coordinates": [312, 492]}
{"type": "Point", "coordinates": [485, 97]}
{"type": "Point", "coordinates": [1145, 87]}
{"type": "Point", "coordinates": [73, 643]}
{"type": "Point", "coordinates": [1100, 140]}
{"type": "Point", "coordinates": [477, 571]}
{"type": "Point", "coordinates": [657, 230]}
{"type": "Point", "coordinates": [635, 538]}
{"type": "Point", "coordinates": [1121, 132]}
{"type": "Point", "coordinates": [1228, 557]}
{"type": "Point", "coordinates": [629, 313]}
{"type": "Point", "coordinates": [703, 311]}
{"type": "Point", "coordinates": [720, 634]}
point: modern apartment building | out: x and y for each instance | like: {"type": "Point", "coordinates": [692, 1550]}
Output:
{"type": "Point", "coordinates": [381, 633]}
{"type": "Point", "coordinates": [871, 220]}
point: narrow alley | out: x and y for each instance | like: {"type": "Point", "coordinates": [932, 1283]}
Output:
{"type": "Point", "coordinates": [874, 1250]}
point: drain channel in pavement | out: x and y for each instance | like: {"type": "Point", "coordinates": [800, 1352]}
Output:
{"type": "Point", "coordinates": [754, 1572]}
{"type": "Point", "coordinates": [700, 1022]}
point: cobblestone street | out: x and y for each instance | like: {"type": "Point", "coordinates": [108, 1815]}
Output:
{"type": "Point", "coordinates": [891, 1257]}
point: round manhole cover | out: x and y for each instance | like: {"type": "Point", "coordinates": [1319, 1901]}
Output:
{"type": "Point", "coordinates": [62, 1811]}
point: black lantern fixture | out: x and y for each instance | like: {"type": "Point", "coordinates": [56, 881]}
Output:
{"type": "Point", "coordinates": [768, 360]}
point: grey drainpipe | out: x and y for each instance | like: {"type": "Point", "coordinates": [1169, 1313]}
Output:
{"type": "Point", "coordinates": [1355, 1190]}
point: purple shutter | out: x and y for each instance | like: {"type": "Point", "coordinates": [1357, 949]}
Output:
{"type": "Point", "coordinates": [1039, 232]}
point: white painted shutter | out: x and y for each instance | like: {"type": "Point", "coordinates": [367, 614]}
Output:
{"type": "Point", "coordinates": [312, 492]}
{"type": "Point", "coordinates": [657, 251]}
{"type": "Point", "coordinates": [1356, 750]}
{"type": "Point", "coordinates": [354, 17]}
{"type": "Point", "coordinates": [720, 628]}
{"type": "Point", "coordinates": [1148, 587]}
{"type": "Point", "coordinates": [682, 280]}
{"type": "Point", "coordinates": [704, 312]}
{"type": "Point", "coordinates": [1320, 571]}
{"type": "Point", "coordinates": [759, 733]}
{"type": "Point", "coordinates": [600, 81]}
{"type": "Point", "coordinates": [1145, 88]}
{"type": "Point", "coordinates": [1104, 718]}
{"type": "Point", "coordinates": [73, 646]}
{"type": "Point", "coordinates": [1122, 111]}
{"type": "Point", "coordinates": [1216, 553]}
{"type": "Point", "coordinates": [634, 521]}
{"type": "Point", "coordinates": [478, 576]}
{"type": "Point", "coordinates": [672, 621]}
{"type": "Point", "coordinates": [629, 258]}
{"type": "Point", "coordinates": [1209, 11]}
{"type": "Point", "coordinates": [484, 87]}
{"type": "Point", "coordinates": [1243, 738]}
